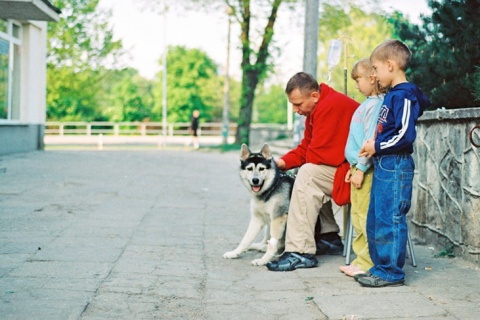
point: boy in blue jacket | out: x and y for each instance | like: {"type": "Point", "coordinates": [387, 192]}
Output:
{"type": "Point", "coordinates": [393, 165]}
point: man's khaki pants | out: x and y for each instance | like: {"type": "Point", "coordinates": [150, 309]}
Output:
{"type": "Point", "coordinates": [312, 189]}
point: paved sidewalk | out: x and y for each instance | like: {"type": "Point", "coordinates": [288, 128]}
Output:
{"type": "Point", "coordinates": [140, 235]}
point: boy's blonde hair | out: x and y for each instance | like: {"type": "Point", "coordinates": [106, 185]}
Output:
{"type": "Point", "coordinates": [393, 50]}
{"type": "Point", "coordinates": [364, 67]}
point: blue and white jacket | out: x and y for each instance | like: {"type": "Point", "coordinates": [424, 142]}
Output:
{"type": "Point", "coordinates": [396, 131]}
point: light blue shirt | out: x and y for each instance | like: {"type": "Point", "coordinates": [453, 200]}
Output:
{"type": "Point", "coordinates": [362, 128]}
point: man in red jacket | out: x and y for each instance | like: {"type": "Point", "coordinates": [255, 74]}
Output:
{"type": "Point", "coordinates": [319, 154]}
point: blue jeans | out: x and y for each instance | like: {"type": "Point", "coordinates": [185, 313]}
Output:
{"type": "Point", "coordinates": [390, 201]}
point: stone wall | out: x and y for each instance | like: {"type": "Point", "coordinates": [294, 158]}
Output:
{"type": "Point", "coordinates": [446, 198]}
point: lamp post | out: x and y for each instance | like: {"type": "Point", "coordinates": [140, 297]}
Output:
{"type": "Point", "coordinates": [226, 85]}
{"type": "Point", "coordinates": [346, 41]}
{"type": "Point", "coordinates": [309, 57]}
{"type": "Point", "coordinates": [164, 74]}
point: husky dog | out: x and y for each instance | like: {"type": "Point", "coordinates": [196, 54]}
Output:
{"type": "Point", "coordinates": [270, 191]}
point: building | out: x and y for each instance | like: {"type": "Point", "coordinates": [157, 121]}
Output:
{"type": "Point", "coordinates": [23, 68]}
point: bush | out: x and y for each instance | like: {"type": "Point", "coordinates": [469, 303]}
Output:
{"type": "Point", "coordinates": [476, 83]}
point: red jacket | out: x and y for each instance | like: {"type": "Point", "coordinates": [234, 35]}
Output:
{"type": "Point", "coordinates": [326, 131]}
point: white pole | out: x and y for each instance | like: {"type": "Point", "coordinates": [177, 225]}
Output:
{"type": "Point", "coordinates": [226, 87]}
{"type": "Point", "coordinates": [164, 80]}
{"type": "Point", "coordinates": [309, 57]}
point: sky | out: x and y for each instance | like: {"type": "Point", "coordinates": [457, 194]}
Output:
{"type": "Point", "coordinates": [145, 34]}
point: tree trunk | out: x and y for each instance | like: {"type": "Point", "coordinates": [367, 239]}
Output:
{"type": "Point", "coordinates": [249, 83]}
{"type": "Point", "coordinates": [252, 73]}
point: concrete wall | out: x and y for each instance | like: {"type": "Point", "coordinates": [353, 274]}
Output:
{"type": "Point", "coordinates": [26, 133]}
{"type": "Point", "coordinates": [260, 133]}
{"type": "Point", "coordinates": [34, 73]}
{"type": "Point", "coordinates": [20, 138]}
{"type": "Point", "coordinates": [446, 200]}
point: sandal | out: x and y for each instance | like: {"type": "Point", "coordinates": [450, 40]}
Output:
{"type": "Point", "coordinates": [290, 261]}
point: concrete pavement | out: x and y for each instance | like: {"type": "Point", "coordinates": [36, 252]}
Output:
{"type": "Point", "coordinates": [140, 235]}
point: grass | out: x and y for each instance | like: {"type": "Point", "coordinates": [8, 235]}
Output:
{"type": "Point", "coordinates": [447, 252]}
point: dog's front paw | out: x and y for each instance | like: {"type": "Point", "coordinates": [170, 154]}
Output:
{"type": "Point", "coordinates": [231, 255]}
{"type": "Point", "coordinates": [267, 257]}
{"type": "Point", "coordinates": [259, 262]}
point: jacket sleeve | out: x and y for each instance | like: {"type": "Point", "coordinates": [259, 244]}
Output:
{"type": "Point", "coordinates": [297, 156]}
{"type": "Point", "coordinates": [401, 136]}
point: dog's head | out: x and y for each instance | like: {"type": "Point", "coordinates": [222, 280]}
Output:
{"type": "Point", "coordinates": [257, 169]}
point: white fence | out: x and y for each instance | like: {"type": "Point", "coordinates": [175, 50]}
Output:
{"type": "Point", "coordinates": [133, 128]}
{"type": "Point", "coordinates": [150, 133]}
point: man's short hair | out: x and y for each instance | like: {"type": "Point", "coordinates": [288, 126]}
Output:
{"type": "Point", "coordinates": [303, 81]}
{"type": "Point", "coordinates": [393, 50]}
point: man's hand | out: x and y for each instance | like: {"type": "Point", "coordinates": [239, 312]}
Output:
{"type": "Point", "coordinates": [368, 149]}
{"type": "Point", "coordinates": [280, 164]}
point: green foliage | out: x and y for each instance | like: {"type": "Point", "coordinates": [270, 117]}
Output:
{"type": "Point", "coordinates": [476, 84]}
{"type": "Point", "coordinates": [447, 252]}
{"type": "Point", "coordinates": [82, 38]}
{"type": "Point", "coordinates": [270, 105]}
{"type": "Point", "coordinates": [446, 52]}
{"type": "Point", "coordinates": [70, 96]}
{"type": "Point", "coordinates": [234, 102]}
{"type": "Point", "coordinates": [192, 83]}
{"type": "Point", "coordinates": [78, 45]}
{"type": "Point", "coordinates": [126, 96]}
{"type": "Point", "coordinates": [360, 32]}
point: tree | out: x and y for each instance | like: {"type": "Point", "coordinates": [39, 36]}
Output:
{"type": "Point", "coordinates": [446, 51]}
{"type": "Point", "coordinates": [80, 43]}
{"type": "Point", "coordinates": [234, 108]}
{"type": "Point", "coordinates": [476, 84]}
{"type": "Point", "coordinates": [256, 47]}
{"type": "Point", "coordinates": [270, 105]}
{"type": "Point", "coordinates": [70, 95]}
{"type": "Point", "coordinates": [126, 96]}
{"type": "Point", "coordinates": [254, 64]}
{"type": "Point", "coordinates": [192, 83]}
{"type": "Point", "coordinates": [360, 30]}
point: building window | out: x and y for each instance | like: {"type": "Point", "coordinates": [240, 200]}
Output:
{"type": "Point", "coordinates": [10, 58]}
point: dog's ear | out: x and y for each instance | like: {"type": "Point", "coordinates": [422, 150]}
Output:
{"type": "Point", "coordinates": [266, 152]}
{"type": "Point", "coordinates": [245, 152]}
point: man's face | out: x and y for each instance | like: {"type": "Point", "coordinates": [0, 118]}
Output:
{"type": "Point", "coordinates": [303, 104]}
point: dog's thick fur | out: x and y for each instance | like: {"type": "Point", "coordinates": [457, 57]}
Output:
{"type": "Point", "coordinates": [270, 191]}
